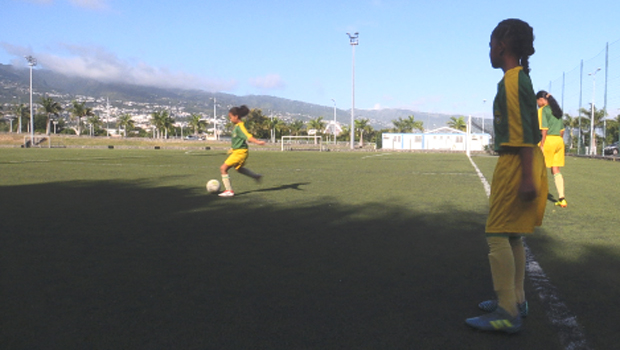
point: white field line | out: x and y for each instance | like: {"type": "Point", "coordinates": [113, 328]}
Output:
{"type": "Point", "coordinates": [378, 155]}
{"type": "Point", "coordinates": [561, 318]}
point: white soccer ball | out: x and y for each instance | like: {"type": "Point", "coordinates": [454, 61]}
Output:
{"type": "Point", "coordinates": [213, 186]}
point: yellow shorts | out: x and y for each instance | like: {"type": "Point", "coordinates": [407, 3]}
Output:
{"type": "Point", "coordinates": [508, 214]}
{"type": "Point", "coordinates": [237, 158]}
{"type": "Point", "coordinates": [554, 151]}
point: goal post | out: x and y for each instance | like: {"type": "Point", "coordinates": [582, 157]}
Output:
{"type": "Point", "coordinates": [301, 143]}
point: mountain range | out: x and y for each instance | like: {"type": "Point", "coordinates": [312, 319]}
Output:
{"type": "Point", "coordinates": [14, 88]}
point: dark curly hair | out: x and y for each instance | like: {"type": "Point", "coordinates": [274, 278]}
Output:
{"type": "Point", "coordinates": [518, 37]}
{"type": "Point", "coordinates": [240, 111]}
{"type": "Point", "coordinates": [556, 110]}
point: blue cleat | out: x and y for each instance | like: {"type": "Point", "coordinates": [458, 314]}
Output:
{"type": "Point", "coordinates": [498, 320]}
{"type": "Point", "coordinates": [491, 305]}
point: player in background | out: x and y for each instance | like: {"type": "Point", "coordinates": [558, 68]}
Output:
{"type": "Point", "coordinates": [552, 142]}
{"type": "Point", "coordinates": [519, 187]}
{"type": "Point", "coordinates": [239, 151]}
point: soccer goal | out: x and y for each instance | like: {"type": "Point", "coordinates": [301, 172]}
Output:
{"type": "Point", "coordinates": [302, 143]}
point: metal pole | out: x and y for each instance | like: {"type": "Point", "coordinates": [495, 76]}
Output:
{"type": "Point", "coordinates": [215, 118]}
{"type": "Point", "coordinates": [31, 62]}
{"type": "Point", "coordinates": [605, 95]}
{"type": "Point", "coordinates": [334, 128]}
{"type": "Point", "coordinates": [580, 105]}
{"type": "Point", "coordinates": [592, 141]}
{"type": "Point", "coordinates": [468, 135]}
{"type": "Point", "coordinates": [107, 117]}
{"type": "Point", "coordinates": [353, 39]}
{"type": "Point", "coordinates": [563, 85]}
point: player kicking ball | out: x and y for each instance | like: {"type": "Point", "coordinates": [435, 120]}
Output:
{"type": "Point", "coordinates": [239, 152]}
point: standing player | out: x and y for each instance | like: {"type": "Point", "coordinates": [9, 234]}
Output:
{"type": "Point", "coordinates": [552, 142]}
{"type": "Point", "coordinates": [519, 188]}
{"type": "Point", "coordinates": [239, 152]}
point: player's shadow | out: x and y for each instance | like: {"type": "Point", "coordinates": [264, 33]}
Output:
{"type": "Point", "coordinates": [294, 186]}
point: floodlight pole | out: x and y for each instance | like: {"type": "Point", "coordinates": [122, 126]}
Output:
{"type": "Point", "coordinates": [354, 41]}
{"type": "Point", "coordinates": [31, 62]}
{"type": "Point", "coordinates": [484, 102]}
{"type": "Point", "coordinates": [334, 128]}
{"type": "Point", "coordinates": [592, 140]}
{"type": "Point", "coordinates": [468, 135]}
{"type": "Point", "coordinates": [215, 118]}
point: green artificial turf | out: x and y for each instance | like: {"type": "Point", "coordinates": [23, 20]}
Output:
{"type": "Point", "coordinates": [125, 249]}
{"type": "Point", "coordinates": [579, 246]}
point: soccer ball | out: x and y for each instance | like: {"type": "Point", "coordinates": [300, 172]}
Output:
{"type": "Point", "coordinates": [213, 186]}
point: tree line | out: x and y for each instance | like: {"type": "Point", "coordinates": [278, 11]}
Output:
{"type": "Point", "coordinates": [163, 125]}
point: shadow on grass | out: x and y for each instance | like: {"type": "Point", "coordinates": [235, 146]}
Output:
{"type": "Point", "coordinates": [294, 186]}
{"type": "Point", "coordinates": [588, 285]}
{"type": "Point", "coordinates": [119, 265]}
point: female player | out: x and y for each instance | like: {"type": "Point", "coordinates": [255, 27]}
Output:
{"type": "Point", "coordinates": [519, 188]}
{"type": "Point", "coordinates": [552, 142]}
{"type": "Point", "coordinates": [239, 152]}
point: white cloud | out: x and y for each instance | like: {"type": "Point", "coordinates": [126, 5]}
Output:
{"type": "Point", "coordinates": [268, 82]}
{"type": "Point", "coordinates": [97, 63]}
{"type": "Point", "coordinates": [90, 4]}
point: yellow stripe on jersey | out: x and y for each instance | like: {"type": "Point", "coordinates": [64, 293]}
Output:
{"type": "Point", "coordinates": [515, 126]}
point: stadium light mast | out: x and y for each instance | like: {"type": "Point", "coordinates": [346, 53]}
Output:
{"type": "Point", "coordinates": [484, 102]}
{"type": "Point", "coordinates": [592, 140]}
{"type": "Point", "coordinates": [354, 41]}
{"type": "Point", "coordinates": [215, 118]}
{"type": "Point", "coordinates": [334, 128]}
{"type": "Point", "coordinates": [31, 62]}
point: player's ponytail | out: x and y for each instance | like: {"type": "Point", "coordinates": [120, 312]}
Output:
{"type": "Point", "coordinates": [240, 111]}
{"type": "Point", "coordinates": [556, 110]}
{"type": "Point", "coordinates": [518, 37]}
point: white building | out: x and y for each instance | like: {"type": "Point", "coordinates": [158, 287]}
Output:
{"type": "Point", "coordinates": [444, 139]}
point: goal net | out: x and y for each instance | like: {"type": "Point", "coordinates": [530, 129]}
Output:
{"type": "Point", "coordinates": [302, 143]}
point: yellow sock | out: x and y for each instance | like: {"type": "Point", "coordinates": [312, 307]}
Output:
{"type": "Point", "coordinates": [518, 252]}
{"type": "Point", "coordinates": [226, 182]}
{"type": "Point", "coordinates": [503, 272]}
{"type": "Point", "coordinates": [559, 184]}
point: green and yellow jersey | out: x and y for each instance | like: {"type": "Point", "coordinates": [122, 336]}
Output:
{"type": "Point", "coordinates": [515, 112]}
{"type": "Point", "coordinates": [240, 136]}
{"type": "Point", "coordinates": [549, 122]}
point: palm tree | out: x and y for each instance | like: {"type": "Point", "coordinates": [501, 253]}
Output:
{"type": "Point", "coordinates": [196, 123]}
{"type": "Point", "coordinates": [95, 124]}
{"type": "Point", "coordinates": [275, 125]}
{"type": "Point", "coordinates": [599, 115]}
{"type": "Point", "coordinates": [407, 125]}
{"type": "Point", "coordinates": [126, 122]}
{"type": "Point", "coordinates": [161, 121]}
{"type": "Point", "coordinates": [78, 111]}
{"type": "Point", "coordinates": [345, 134]}
{"type": "Point", "coordinates": [318, 124]}
{"type": "Point", "coordinates": [256, 124]}
{"type": "Point", "coordinates": [363, 126]}
{"type": "Point", "coordinates": [49, 108]}
{"type": "Point", "coordinates": [613, 130]}
{"type": "Point", "coordinates": [295, 127]}
{"type": "Point", "coordinates": [21, 112]}
{"type": "Point", "coordinates": [457, 123]}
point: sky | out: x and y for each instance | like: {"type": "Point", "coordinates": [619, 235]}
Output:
{"type": "Point", "coordinates": [430, 56]}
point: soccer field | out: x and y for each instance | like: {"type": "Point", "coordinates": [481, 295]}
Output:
{"type": "Point", "coordinates": [126, 249]}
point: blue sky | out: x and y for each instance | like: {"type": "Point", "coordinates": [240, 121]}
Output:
{"type": "Point", "coordinates": [429, 56]}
